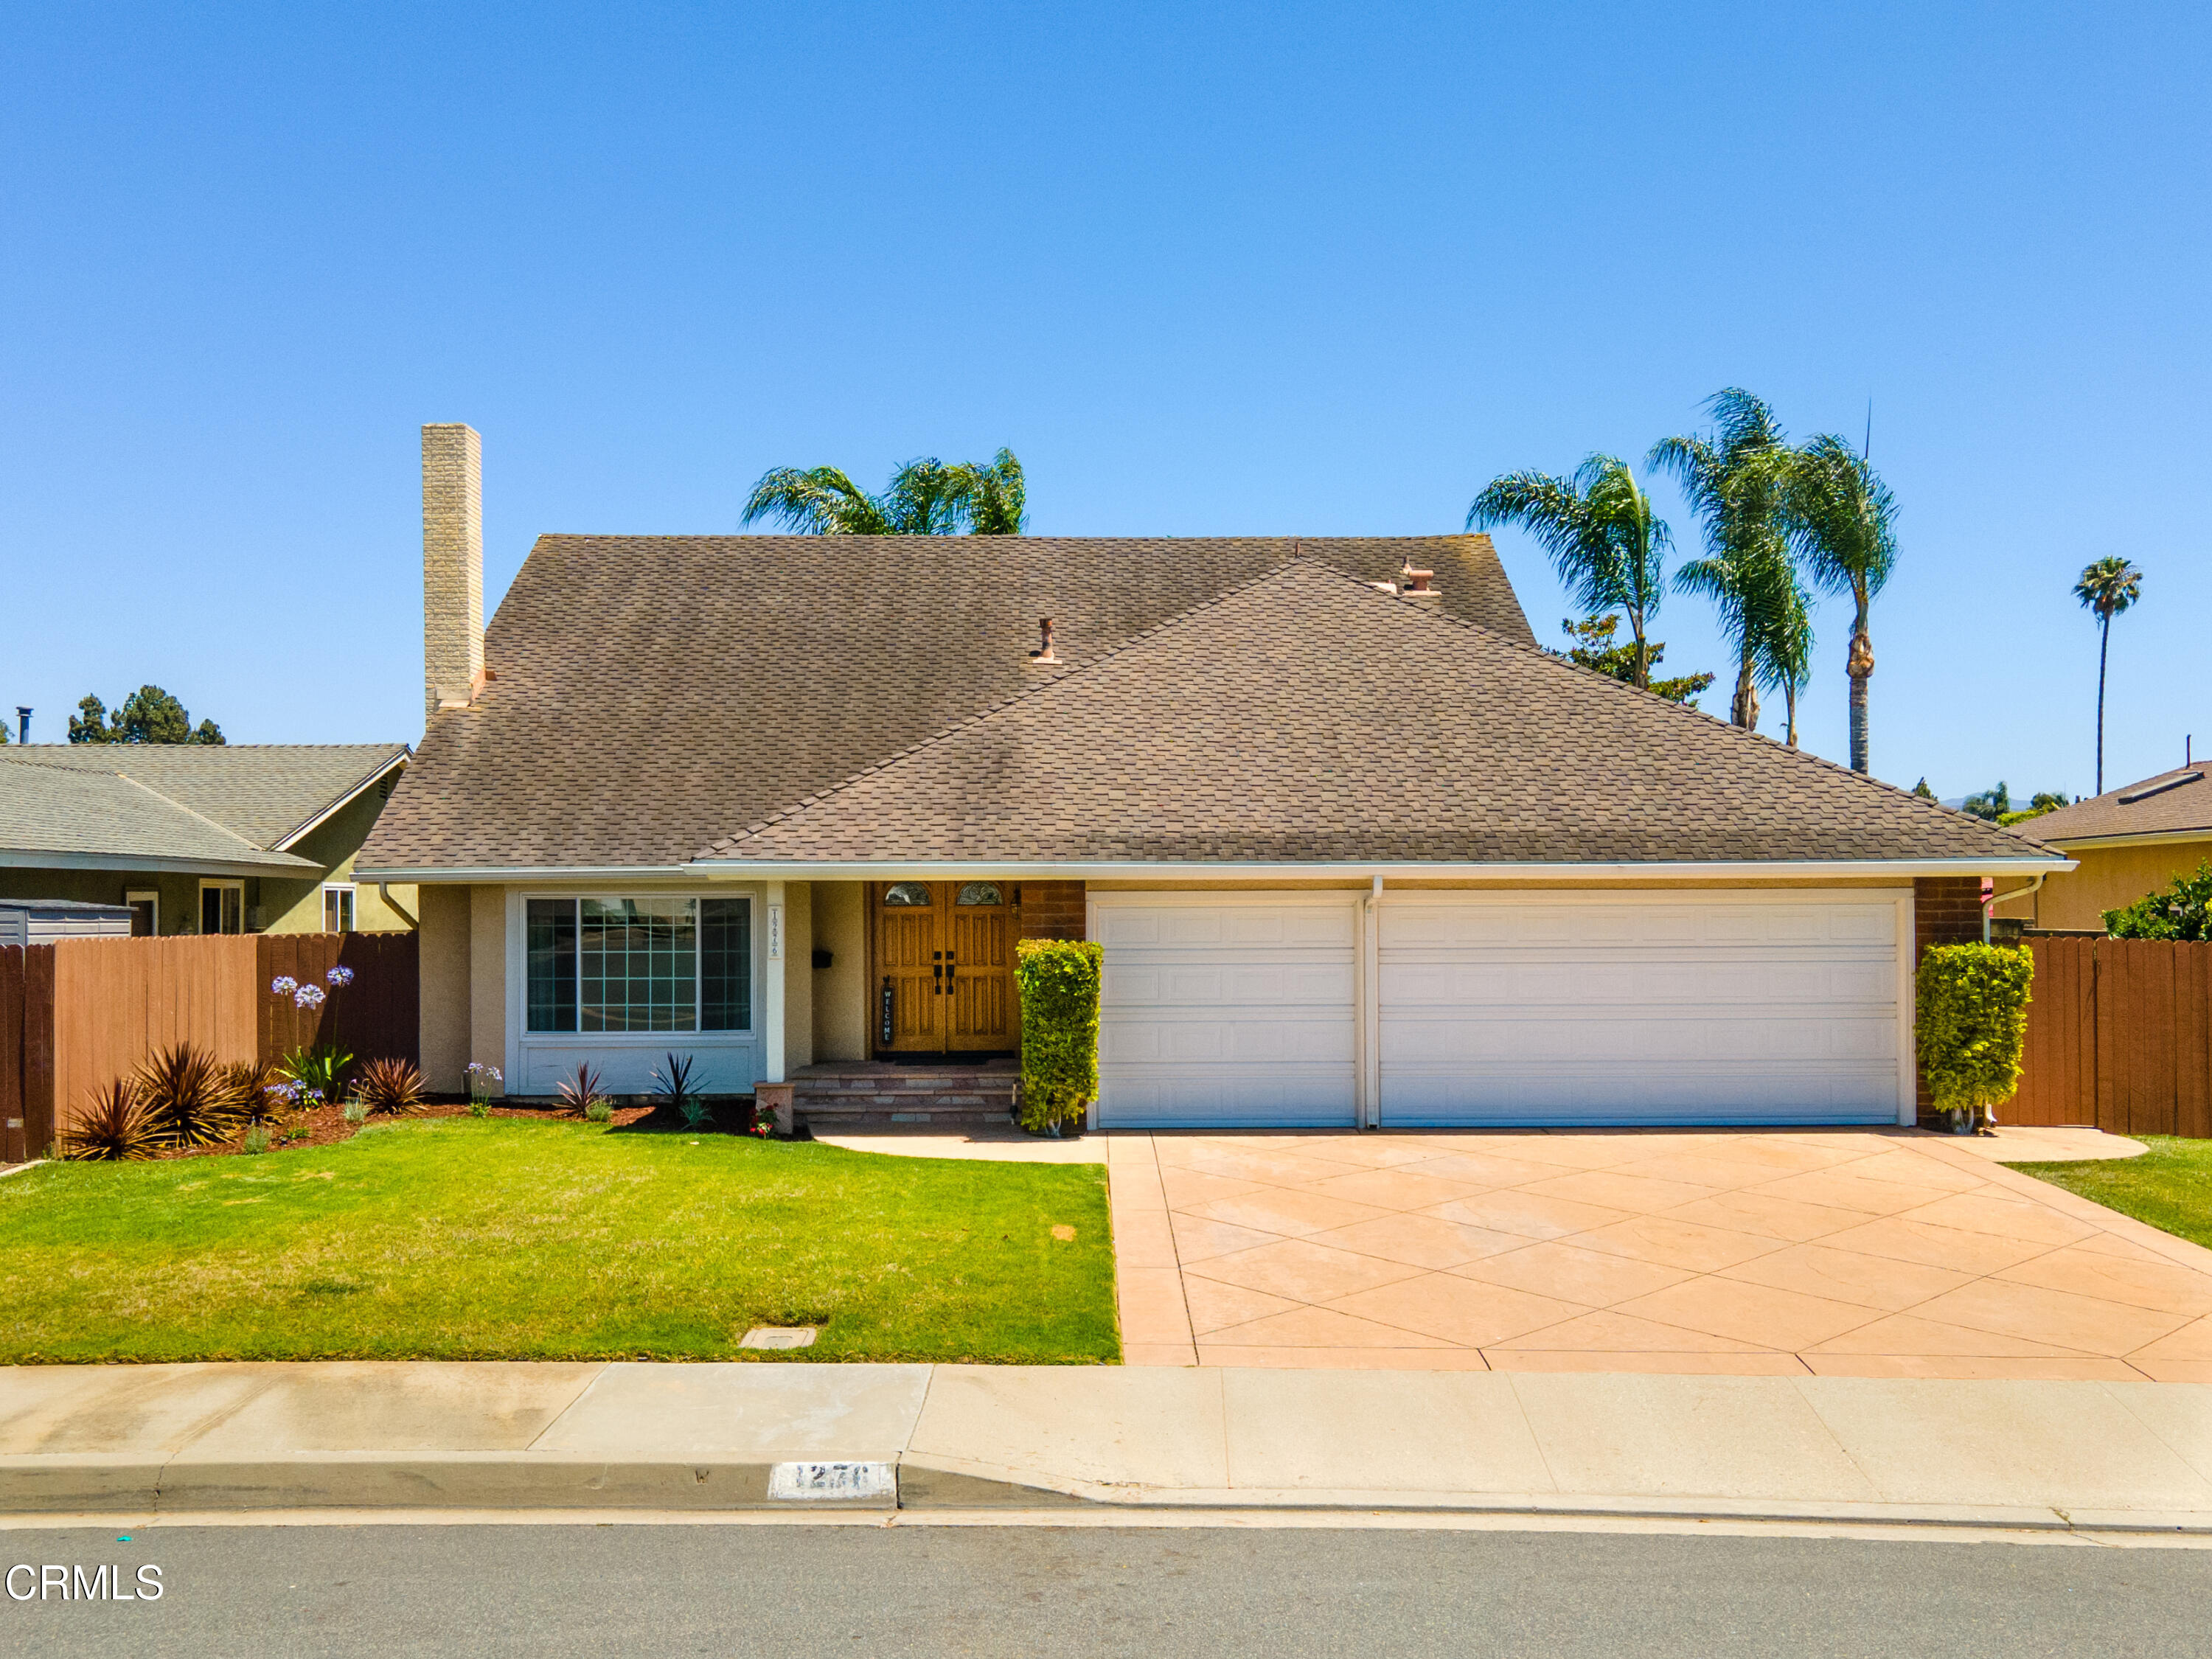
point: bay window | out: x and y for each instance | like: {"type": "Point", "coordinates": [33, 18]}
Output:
{"type": "Point", "coordinates": [652, 963]}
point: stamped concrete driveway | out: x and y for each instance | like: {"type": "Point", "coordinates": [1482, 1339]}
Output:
{"type": "Point", "coordinates": [1853, 1253]}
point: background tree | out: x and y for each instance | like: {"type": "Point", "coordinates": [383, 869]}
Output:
{"type": "Point", "coordinates": [1991, 804]}
{"type": "Point", "coordinates": [1599, 530]}
{"type": "Point", "coordinates": [149, 714]}
{"type": "Point", "coordinates": [926, 497]}
{"type": "Point", "coordinates": [1736, 480]}
{"type": "Point", "coordinates": [1921, 790]}
{"type": "Point", "coordinates": [1593, 647]}
{"type": "Point", "coordinates": [1841, 519]}
{"type": "Point", "coordinates": [1785, 643]}
{"type": "Point", "coordinates": [2106, 587]}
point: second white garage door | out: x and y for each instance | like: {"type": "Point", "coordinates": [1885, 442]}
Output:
{"type": "Point", "coordinates": [1678, 1007]}
{"type": "Point", "coordinates": [1227, 1009]}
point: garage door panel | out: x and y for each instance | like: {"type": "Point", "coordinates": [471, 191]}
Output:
{"type": "Point", "coordinates": [1226, 1013]}
{"type": "Point", "coordinates": [1719, 1008]}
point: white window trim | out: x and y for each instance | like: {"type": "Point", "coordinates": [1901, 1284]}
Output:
{"type": "Point", "coordinates": [352, 890]}
{"type": "Point", "coordinates": [222, 884]}
{"type": "Point", "coordinates": [147, 895]}
{"type": "Point", "coordinates": [519, 1037]}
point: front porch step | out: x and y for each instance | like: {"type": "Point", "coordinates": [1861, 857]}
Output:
{"type": "Point", "coordinates": [878, 1094]}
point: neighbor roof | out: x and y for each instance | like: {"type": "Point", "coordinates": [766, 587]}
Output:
{"type": "Point", "coordinates": [203, 807]}
{"type": "Point", "coordinates": [2176, 803]}
{"type": "Point", "coordinates": [1306, 717]}
{"type": "Point", "coordinates": [647, 694]}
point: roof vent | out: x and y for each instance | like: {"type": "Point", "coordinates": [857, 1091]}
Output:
{"type": "Point", "coordinates": [1384, 587]}
{"type": "Point", "coordinates": [2158, 787]}
{"type": "Point", "coordinates": [1043, 653]}
{"type": "Point", "coordinates": [1419, 584]}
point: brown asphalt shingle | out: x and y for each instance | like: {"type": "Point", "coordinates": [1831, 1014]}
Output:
{"type": "Point", "coordinates": [653, 693]}
{"type": "Point", "coordinates": [1307, 717]}
{"type": "Point", "coordinates": [2183, 805]}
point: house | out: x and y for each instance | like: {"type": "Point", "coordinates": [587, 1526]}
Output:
{"type": "Point", "coordinates": [199, 838]}
{"type": "Point", "coordinates": [2125, 843]}
{"type": "Point", "coordinates": [1357, 850]}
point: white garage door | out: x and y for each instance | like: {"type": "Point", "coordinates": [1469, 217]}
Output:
{"type": "Point", "coordinates": [1222, 1009]}
{"type": "Point", "coordinates": [1667, 1008]}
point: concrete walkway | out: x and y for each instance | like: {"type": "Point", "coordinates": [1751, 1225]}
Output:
{"type": "Point", "coordinates": [141, 1440]}
{"type": "Point", "coordinates": [1839, 1253]}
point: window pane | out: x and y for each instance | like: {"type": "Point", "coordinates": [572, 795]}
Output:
{"type": "Point", "coordinates": [980, 892]}
{"type": "Point", "coordinates": [907, 893]}
{"type": "Point", "coordinates": [552, 949]}
{"type": "Point", "coordinates": [725, 964]}
{"type": "Point", "coordinates": [638, 964]}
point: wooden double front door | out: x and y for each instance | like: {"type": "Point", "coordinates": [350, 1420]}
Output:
{"type": "Point", "coordinates": [945, 968]}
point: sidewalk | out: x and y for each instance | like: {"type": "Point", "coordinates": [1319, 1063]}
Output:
{"type": "Point", "coordinates": [141, 1440]}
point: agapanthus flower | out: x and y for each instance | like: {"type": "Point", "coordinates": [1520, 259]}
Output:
{"type": "Point", "coordinates": [283, 984]}
{"type": "Point", "coordinates": [308, 996]}
{"type": "Point", "coordinates": [340, 977]}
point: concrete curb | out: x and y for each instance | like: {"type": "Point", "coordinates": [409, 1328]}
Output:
{"type": "Point", "coordinates": [529, 1482]}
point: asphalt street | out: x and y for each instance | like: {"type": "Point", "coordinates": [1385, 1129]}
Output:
{"type": "Point", "coordinates": [551, 1591]}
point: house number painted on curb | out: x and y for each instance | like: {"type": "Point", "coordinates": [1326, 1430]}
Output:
{"type": "Point", "coordinates": [802, 1482]}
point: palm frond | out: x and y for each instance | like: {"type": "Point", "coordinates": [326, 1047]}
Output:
{"type": "Point", "coordinates": [1840, 517]}
{"type": "Point", "coordinates": [818, 501]}
{"type": "Point", "coordinates": [992, 501]}
{"type": "Point", "coordinates": [2108, 587]}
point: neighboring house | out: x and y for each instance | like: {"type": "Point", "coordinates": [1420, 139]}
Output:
{"type": "Point", "coordinates": [2126, 843]}
{"type": "Point", "coordinates": [1357, 850]}
{"type": "Point", "coordinates": [201, 838]}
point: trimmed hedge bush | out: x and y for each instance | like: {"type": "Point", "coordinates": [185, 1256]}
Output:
{"type": "Point", "coordinates": [1059, 980]}
{"type": "Point", "coordinates": [1972, 1001]}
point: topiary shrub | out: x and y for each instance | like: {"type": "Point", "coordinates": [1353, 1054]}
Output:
{"type": "Point", "coordinates": [1059, 980]}
{"type": "Point", "coordinates": [1972, 1006]}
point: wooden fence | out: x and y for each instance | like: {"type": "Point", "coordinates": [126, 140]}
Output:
{"type": "Point", "coordinates": [2119, 1038]}
{"type": "Point", "coordinates": [77, 1014]}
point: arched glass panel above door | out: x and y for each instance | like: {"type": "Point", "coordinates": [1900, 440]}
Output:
{"type": "Point", "coordinates": [980, 892]}
{"type": "Point", "coordinates": [903, 894]}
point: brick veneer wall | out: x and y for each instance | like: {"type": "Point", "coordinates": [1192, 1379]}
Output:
{"type": "Point", "coordinates": [1946, 910]}
{"type": "Point", "coordinates": [1053, 910]}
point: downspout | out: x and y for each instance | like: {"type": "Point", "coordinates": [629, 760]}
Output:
{"type": "Point", "coordinates": [1997, 898]}
{"type": "Point", "coordinates": [383, 893]}
{"type": "Point", "coordinates": [1370, 1008]}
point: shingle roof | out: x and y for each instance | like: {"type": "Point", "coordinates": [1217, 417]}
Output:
{"type": "Point", "coordinates": [2172, 803]}
{"type": "Point", "coordinates": [651, 693]}
{"type": "Point", "coordinates": [230, 804]}
{"type": "Point", "coordinates": [1306, 717]}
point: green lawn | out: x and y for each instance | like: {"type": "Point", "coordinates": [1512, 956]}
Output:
{"type": "Point", "coordinates": [461, 1238]}
{"type": "Point", "coordinates": [2170, 1186]}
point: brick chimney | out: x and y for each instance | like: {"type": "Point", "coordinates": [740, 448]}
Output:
{"type": "Point", "coordinates": [453, 566]}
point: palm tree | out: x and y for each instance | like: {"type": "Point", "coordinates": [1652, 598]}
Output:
{"type": "Point", "coordinates": [926, 497]}
{"type": "Point", "coordinates": [1785, 643]}
{"type": "Point", "coordinates": [1841, 519]}
{"type": "Point", "coordinates": [2107, 588]}
{"type": "Point", "coordinates": [1736, 481]}
{"type": "Point", "coordinates": [1601, 537]}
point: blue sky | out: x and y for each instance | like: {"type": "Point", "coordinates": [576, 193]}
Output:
{"type": "Point", "coordinates": [1268, 269]}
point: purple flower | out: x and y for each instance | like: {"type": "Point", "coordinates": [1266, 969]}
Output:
{"type": "Point", "coordinates": [308, 996]}
{"type": "Point", "coordinates": [340, 977]}
{"type": "Point", "coordinates": [284, 985]}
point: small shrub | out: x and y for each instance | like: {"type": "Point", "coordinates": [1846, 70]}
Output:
{"type": "Point", "coordinates": [1973, 1021]}
{"type": "Point", "coordinates": [256, 1139]}
{"type": "Point", "coordinates": [355, 1112]}
{"type": "Point", "coordinates": [262, 1090]}
{"type": "Point", "coordinates": [116, 1127]}
{"type": "Point", "coordinates": [599, 1110]}
{"type": "Point", "coordinates": [673, 1082]}
{"type": "Point", "coordinates": [578, 1093]}
{"type": "Point", "coordinates": [2182, 911]}
{"type": "Point", "coordinates": [188, 1097]}
{"type": "Point", "coordinates": [389, 1085]}
{"type": "Point", "coordinates": [762, 1121]}
{"type": "Point", "coordinates": [480, 1107]}
{"type": "Point", "coordinates": [1059, 980]}
{"type": "Point", "coordinates": [319, 1072]}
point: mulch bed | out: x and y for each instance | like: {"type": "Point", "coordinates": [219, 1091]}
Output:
{"type": "Point", "coordinates": [325, 1125]}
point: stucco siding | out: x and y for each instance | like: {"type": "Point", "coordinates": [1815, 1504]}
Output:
{"type": "Point", "coordinates": [840, 990]}
{"type": "Point", "coordinates": [2109, 877]}
{"type": "Point", "coordinates": [445, 981]}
